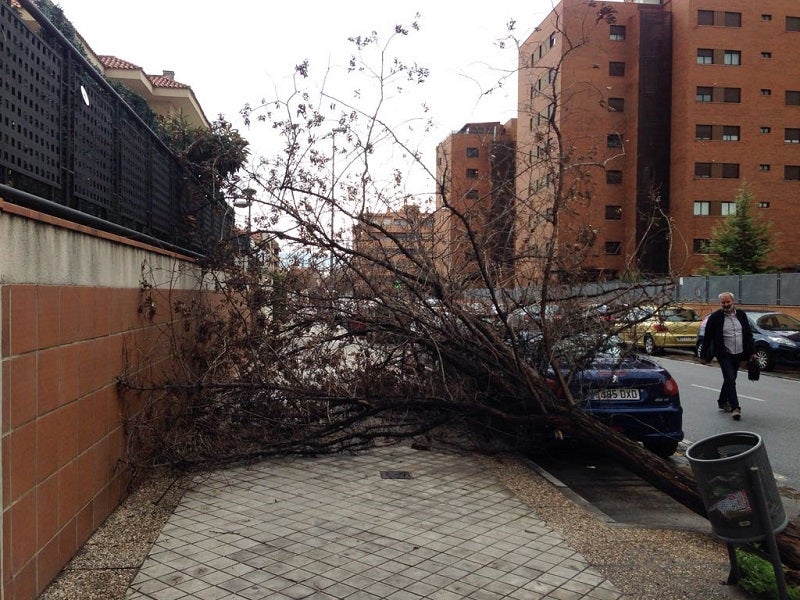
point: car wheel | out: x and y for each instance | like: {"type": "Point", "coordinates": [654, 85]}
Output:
{"type": "Point", "coordinates": [650, 345]}
{"type": "Point", "coordinates": [663, 447]}
{"type": "Point", "coordinates": [764, 359]}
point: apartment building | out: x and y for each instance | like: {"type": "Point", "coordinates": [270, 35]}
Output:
{"type": "Point", "coordinates": [388, 243]}
{"type": "Point", "coordinates": [663, 110]}
{"type": "Point", "coordinates": [475, 168]}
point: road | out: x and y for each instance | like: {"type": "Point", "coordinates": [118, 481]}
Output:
{"type": "Point", "coordinates": [770, 408]}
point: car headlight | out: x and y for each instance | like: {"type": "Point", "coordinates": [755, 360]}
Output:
{"type": "Point", "coordinates": [782, 341]}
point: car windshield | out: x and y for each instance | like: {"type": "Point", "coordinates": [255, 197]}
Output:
{"type": "Point", "coordinates": [778, 322]}
{"type": "Point", "coordinates": [583, 347]}
{"type": "Point", "coordinates": [678, 315]}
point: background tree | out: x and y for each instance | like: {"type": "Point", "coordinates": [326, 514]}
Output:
{"type": "Point", "coordinates": [742, 242]}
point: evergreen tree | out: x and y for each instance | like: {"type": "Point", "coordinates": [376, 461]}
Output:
{"type": "Point", "coordinates": [741, 243]}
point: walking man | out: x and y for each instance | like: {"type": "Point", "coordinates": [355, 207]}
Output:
{"type": "Point", "coordinates": [729, 339]}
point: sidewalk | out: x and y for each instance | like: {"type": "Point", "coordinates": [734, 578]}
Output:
{"type": "Point", "coordinates": [441, 527]}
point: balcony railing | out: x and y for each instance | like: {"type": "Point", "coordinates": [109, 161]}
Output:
{"type": "Point", "coordinates": [68, 139]}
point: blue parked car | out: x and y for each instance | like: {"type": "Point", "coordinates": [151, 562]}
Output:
{"type": "Point", "coordinates": [628, 392]}
{"type": "Point", "coordinates": [776, 336]}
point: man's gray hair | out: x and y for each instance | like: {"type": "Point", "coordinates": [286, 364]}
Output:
{"type": "Point", "coordinates": [727, 294]}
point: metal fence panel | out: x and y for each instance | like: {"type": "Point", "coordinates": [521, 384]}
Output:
{"type": "Point", "coordinates": [30, 123]}
{"type": "Point", "coordinates": [93, 145]}
{"type": "Point", "coordinates": [134, 175]}
{"type": "Point", "coordinates": [761, 288]}
{"type": "Point", "coordinates": [789, 289]}
{"type": "Point", "coordinates": [692, 289]}
{"type": "Point", "coordinates": [723, 283]}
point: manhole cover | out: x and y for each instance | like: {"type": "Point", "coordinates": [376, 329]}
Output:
{"type": "Point", "coordinates": [395, 475]}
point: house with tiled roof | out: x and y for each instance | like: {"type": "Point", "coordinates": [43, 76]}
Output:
{"type": "Point", "coordinates": [163, 93]}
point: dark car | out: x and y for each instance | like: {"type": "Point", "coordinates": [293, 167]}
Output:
{"type": "Point", "coordinates": [630, 393]}
{"type": "Point", "coordinates": [776, 336]}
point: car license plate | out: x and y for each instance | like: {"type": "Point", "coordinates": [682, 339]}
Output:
{"type": "Point", "coordinates": [685, 338]}
{"type": "Point", "coordinates": [617, 394]}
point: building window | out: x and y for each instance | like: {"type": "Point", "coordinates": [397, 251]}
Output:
{"type": "Point", "coordinates": [792, 98]}
{"type": "Point", "coordinates": [614, 140]}
{"type": "Point", "coordinates": [552, 40]}
{"type": "Point", "coordinates": [472, 194]}
{"type": "Point", "coordinates": [766, 55]}
{"type": "Point", "coordinates": [614, 248]}
{"type": "Point", "coordinates": [763, 167]}
{"type": "Point", "coordinates": [616, 104]}
{"type": "Point", "coordinates": [703, 132]}
{"type": "Point", "coordinates": [730, 170]}
{"type": "Point", "coordinates": [727, 19]}
{"type": "Point", "coordinates": [613, 212]}
{"type": "Point", "coordinates": [701, 208]}
{"type": "Point", "coordinates": [700, 245]}
{"type": "Point", "coordinates": [791, 172]}
{"type": "Point", "coordinates": [732, 95]}
{"type": "Point", "coordinates": [702, 170]}
{"type": "Point", "coordinates": [763, 204]}
{"type": "Point", "coordinates": [766, 92]}
{"type": "Point", "coordinates": [705, 17]}
{"type": "Point", "coordinates": [732, 57]}
{"type": "Point", "coordinates": [730, 133]}
{"type": "Point", "coordinates": [792, 23]}
{"type": "Point", "coordinates": [766, 17]}
{"type": "Point", "coordinates": [705, 94]}
{"type": "Point", "coordinates": [765, 129]}
{"type": "Point", "coordinates": [617, 32]}
{"type": "Point", "coordinates": [616, 69]}
{"type": "Point", "coordinates": [791, 135]}
{"type": "Point", "coordinates": [614, 177]}
{"type": "Point", "coordinates": [705, 56]}
{"type": "Point", "coordinates": [472, 152]}
{"type": "Point", "coordinates": [727, 208]}
{"type": "Point", "coordinates": [472, 173]}
{"type": "Point", "coordinates": [732, 19]}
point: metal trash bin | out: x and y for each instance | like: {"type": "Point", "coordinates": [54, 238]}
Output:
{"type": "Point", "coordinates": [720, 464]}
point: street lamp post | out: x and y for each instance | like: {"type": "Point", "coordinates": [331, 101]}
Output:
{"type": "Point", "coordinates": [246, 200]}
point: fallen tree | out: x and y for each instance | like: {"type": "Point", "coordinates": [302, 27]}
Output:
{"type": "Point", "coordinates": [356, 313]}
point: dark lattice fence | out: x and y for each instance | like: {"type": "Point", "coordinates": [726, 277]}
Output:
{"type": "Point", "coordinates": [67, 137]}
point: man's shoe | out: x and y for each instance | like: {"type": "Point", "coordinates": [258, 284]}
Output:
{"type": "Point", "coordinates": [725, 406]}
{"type": "Point", "coordinates": [736, 413]}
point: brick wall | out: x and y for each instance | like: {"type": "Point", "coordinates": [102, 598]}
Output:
{"type": "Point", "coordinates": [62, 347]}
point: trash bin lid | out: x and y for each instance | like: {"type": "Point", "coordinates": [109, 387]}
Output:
{"type": "Point", "coordinates": [731, 445]}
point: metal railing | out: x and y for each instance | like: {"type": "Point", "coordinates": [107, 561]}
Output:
{"type": "Point", "coordinates": [68, 138]}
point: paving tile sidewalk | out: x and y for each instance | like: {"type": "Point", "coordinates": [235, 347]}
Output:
{"type": "Point", "coordinates": [334, 528]}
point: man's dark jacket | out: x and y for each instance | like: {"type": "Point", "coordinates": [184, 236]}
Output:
{"type": "Point", "coordinates": [713, 342]}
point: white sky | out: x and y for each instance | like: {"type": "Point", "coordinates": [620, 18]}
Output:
{"type": "Point", "coordinates": [236, 51]}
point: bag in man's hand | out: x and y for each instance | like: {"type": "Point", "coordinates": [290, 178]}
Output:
{"type": "Point", "coordinates": [753, 370]}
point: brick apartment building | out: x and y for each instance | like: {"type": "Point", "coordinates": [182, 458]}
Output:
{"type": "Point", "coordinates": [476, 170]}
{"type": "Point", "coordinates": [379, 237]}
{"type": "Point", "coordinates": [669, 107]}
{"type": "Point", "coordinates": [675, 104]}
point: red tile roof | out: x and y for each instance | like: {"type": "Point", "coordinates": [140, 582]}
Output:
{"type": "Point", "coordinates": [166, 82]}
{"type": "Point", "coordinates": [112, 62]}
{"type": "Point", "coordinates": [162, 81]}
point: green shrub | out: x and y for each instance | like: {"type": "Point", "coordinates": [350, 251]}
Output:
{"type": "Point", "coordinates": [758, 577]}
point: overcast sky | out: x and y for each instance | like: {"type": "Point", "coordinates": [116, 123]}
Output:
{"type": "Point", "coordinates": [236, 51]}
